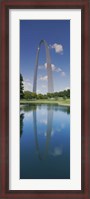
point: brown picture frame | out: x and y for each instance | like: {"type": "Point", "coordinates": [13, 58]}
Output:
{"type": "Point", "coordinates": [5, 5]}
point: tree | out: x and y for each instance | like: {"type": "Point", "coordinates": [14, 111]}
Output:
{"type": "Point", "coordinates": [27, 95]}
{"type": "Point", "coordinates": [68, 93]}
{"type": "Point", "coordinates": [33, 95]}
{"type": "Point", "coordinates": [21, 86]}
{"type": "Point", "coordinates": [45, 96]}
{"type": "Point", "coordinates": [49, 95]}
{"type": "Point", "coordinates": [40, 96]}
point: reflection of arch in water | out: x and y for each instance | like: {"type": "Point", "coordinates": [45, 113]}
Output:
{"type": "Point", "coordinates": [48, 133]}
{"type": "Point", "coordinates": [49, 69]}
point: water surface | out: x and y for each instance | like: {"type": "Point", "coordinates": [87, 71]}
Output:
{"type": "Point", "coordinates": [44, 142]}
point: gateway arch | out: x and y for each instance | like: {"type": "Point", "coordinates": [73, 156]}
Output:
{"type": "Point", "coordinates": [49, 69]}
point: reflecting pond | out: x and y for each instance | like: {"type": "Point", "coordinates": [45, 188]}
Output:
{"type": "Point", "coordinates": [44, 142]}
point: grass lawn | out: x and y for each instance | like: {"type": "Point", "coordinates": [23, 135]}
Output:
{"type": "Point", "coordinates": [59, 101]}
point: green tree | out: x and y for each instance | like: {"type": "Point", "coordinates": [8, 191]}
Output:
{"type": "Point", "coordinates": [68, 93]}
{"type": "Point", "coordinates": [49, 95]}
{"type": "Point", "coordinates": [45, 96]}
{"type": "Point", "coordinates": [27, 95]}
{"type": "Point", "coordinates": [40, 96]}
{"type": "Point", "coordinates": [21, 87]}
{"type": "Point", "coordinates": [33, 95]}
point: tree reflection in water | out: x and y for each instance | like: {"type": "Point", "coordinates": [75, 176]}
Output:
{"type": "Point", "coordinates": [21, 123]}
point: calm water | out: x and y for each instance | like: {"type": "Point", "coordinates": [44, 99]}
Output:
{"type": "Point", "coordinates": [44, 142]}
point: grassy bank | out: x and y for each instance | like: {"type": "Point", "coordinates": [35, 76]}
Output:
{"type": "Point", "coordinates": [59, 101]}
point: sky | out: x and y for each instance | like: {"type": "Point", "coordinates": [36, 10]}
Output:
{"type": "Point", "coordinates": [57, 35]}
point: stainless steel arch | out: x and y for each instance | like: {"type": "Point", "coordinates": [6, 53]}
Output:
{"type": "Point", "coordinates": [49, 69]}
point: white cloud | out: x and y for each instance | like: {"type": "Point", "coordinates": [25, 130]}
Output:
{"type": "Point", "coordinates": [40, 67]}
{"type": "Point", "coordinates": [63, 74]}
{"type": "Point", "coordinates": [58, 130]}
{"type": "Point", "coordinates": [43, 121]}
{"type": "Point", "coordinates": [39, 91]}
{"type": "Point", "coordinates": [45, 65]}
{"type": "Point", "coordinates": [44, 78]}
{"type": "Point", "coordinates": [46, 134]}
{"type": "Point", "coordinates": [54, 68]}
{"type": "Point", "coordinates": [58, 47]}
{"type": "Point", "coordinates": [68, 87]}
{"type": "Point", "coordinates": [27, 85]}
{"type": "Point", "coordinates": [57, 151]}
{"type": "Point", "coordinates": [52, 133]}
{"type": "Point", "coordinates": [44, 86]}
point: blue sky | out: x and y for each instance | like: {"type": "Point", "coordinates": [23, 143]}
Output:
{"type": "Point", "coordinates": [57, 35]}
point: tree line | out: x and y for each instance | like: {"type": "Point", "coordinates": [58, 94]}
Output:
{"type": "Point", "coordinates": [28, 95]}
